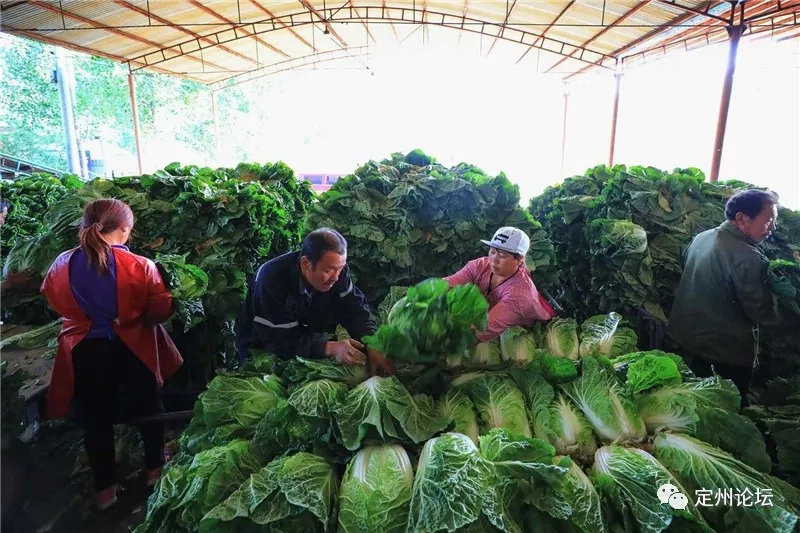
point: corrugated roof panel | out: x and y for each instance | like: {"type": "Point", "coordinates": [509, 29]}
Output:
{"type": "Point", "coordinates": [26, 16]}
{"type": "Point", "coordinates": [172, 29]}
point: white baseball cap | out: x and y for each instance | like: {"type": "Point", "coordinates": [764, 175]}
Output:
{"type": "Point", "coordinates": [510, 239]}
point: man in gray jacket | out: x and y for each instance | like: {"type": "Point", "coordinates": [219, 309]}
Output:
{"type": "Point", "coordinates": [723, 297]}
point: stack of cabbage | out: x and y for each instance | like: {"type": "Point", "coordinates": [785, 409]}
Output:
{"type": "Point", "coordinates": [208, 229]}
{"type": "Point", "coordinates": [619, 234]}
{"type": "Point", "coordinates": [220, 222]}
{"type": "Point", "coordinates": [562, 428]}
{"type": "Point", "coordinates": [407, 218]}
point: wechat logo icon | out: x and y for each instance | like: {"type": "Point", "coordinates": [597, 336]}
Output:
{"type": "Point", "coordinates": [669, 494]}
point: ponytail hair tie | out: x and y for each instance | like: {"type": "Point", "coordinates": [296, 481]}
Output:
{"type": "Point", "coordinates": [98, 225]}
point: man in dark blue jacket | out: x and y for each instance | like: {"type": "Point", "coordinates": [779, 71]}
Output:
{"type": "Point", "coordinates": [297, 300]}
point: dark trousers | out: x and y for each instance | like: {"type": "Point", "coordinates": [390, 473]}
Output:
{"type": "Point", "coordinates": [112, 385]}
{"type": "Point", "coordinates": [740, 375]}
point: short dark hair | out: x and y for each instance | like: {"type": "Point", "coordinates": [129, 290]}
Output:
{"type": "Point", "coordinates": [320, 241]}
{"type": "Point", "coordinates": [749, 202]}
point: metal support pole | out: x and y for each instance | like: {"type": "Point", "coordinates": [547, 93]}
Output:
{"type": "Point", "coordinates": [135, 112]}
{"type": "Point", "coordinates": [735, 33]}
{"type": "Point", "coordinates": [214, 118]}
{"type": "Point", "coordinates": [564, 129]}
{"type": "Point", "coordinates": [66, 83]}
{"type": "Point", "coordinates": [618, 76]}
{"type": "Point", "coordinates": [83, 162]}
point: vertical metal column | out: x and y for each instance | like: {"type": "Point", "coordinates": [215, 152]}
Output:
{"type": "Point", "coordinates": [135, 112]}
{"type": "Point", "coordinates": [618, 76]}
{"type": "Point", "coordinates": [564, 129]}
{"type": "Point", "coordinates": [735, 32]}
{"type": "Point", "coordinates": [66, 82]}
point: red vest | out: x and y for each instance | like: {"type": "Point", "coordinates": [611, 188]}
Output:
{"type": "Point", "coordinates": [143, 302]}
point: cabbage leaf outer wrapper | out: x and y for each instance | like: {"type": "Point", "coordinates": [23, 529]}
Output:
{"type": "Point", "coordinates": [449, 485]}
{"type": "Point", "coordinates": [499, 403]}
{"type": "Point", "coordinates": [384, 406]}
{"type": "Point", "coordinates": [606, 403]}
{"type": "Point", "coordinates": [702, 466]}
{"type": "Point", "coordinates": [375, 493]}
{"type": "Point", "coordinates": [279, 495]}
{"type": "Point", "coordinates": [628, 479]}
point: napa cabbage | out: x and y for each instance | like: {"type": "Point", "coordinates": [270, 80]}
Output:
{"type": "Point", "coordinates": [375, 493]}
{"type": "Point", "coordinates": [603, 335]}
{"type": "Point", "coordinates": [606, 403]}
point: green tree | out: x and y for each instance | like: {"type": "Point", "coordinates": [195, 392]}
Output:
{"type": "Point", "coordinates": [30, 110]}
{"type": "Point", "coordinates": [102, 101]}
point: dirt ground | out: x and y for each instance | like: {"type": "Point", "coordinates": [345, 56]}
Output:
{"type": "Point", "coordinates": [46, 484]}
{"type": "Point", "coordinates": [59, 487]}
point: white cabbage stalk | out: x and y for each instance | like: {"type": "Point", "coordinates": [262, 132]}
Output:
{"type": "Point", "coordinates": [517, 345]}
{"type": "Point", "coordinates": [376, 490]}
{"type": "Point", "coordinates": [562, 338]}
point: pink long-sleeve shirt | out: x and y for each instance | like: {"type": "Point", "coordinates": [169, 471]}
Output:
{"type": "Point", "coordinates": [515, 302]}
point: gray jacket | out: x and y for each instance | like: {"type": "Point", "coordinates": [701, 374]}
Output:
{"type": "Point", "coordinates": [722, 298]}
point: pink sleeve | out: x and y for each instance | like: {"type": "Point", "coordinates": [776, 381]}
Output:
{"type": "Point", "coordinates": [509, 313]}
{"type": "Point", "coordinates": [463, 276]}
{"type": "Point", "coordinates": [542, 310]}
{"type": "Point", "coordinates": [501, 317]}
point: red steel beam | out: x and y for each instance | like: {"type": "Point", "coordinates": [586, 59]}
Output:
{"type": "Point", "coordinates": [602, 32]}
{"type": "Point", "coordinates": [90, 22]}
{"type": "Point", "coordinates": [353, 9]}
{"type": "Point", "coordinates": [754, 32]}
{"type": "Point", "coordinates": [503, 27]}
{"type": "Point", "coordinates": [547, 29]}
{"type": "Point", "coordinates": [78, 48]}
{"type": "Point", "coordinates": [694, 10]}
{"type": "Point", "coordinates": [216, 15]}
{"type": "Point", "coordinates": [288, 64]}
{"type": "Point", "coordinates": [781, 9]}
{"type": "Point", "coordinates": [644, 38]}
{"type": "Point", "coordinates": [424, 26]}
{"type": "Point", "coordinates": [391, 24]}
{"type": "Point", "coordinates": [283, 24]}
{"type": "Point", "coordinates": [135, 116]}
{"type": "Point", "coordinates": [328, 27]}
{"type": "Point", "coordinates": [688, 33]}
{"type": "Point", "coordinates": [709, 37]}
{"type": "Point", "coordinates": [463, 16]}
{"type": "Point", "coordinates": [767, 32]}
{"type": "Point", "coordinates": [614, 115]}
{"type": "Point", "coordinates": [725, 100]}
{"type": "Point", "coordinates": [758, 7]}
{"type": "Point", "coordinates": [704, 30]}
{"type": "Point", "coordinates": [445, 20]}
{"type": "Point", "coordinates": [162, 20]}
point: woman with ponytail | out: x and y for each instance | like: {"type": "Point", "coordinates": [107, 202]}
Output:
{"type": "Point", "coordinates": [112, 346]}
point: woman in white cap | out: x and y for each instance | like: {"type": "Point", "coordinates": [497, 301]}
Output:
{"type": "Point", "coordinates": [506, 283]}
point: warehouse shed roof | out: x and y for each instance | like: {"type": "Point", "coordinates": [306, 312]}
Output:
{"type": "Point", "coordinates": [221, 42]}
